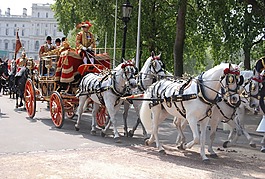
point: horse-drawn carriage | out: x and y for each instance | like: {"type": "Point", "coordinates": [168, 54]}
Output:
{"type": "Point", "coordinates": [57, 83]}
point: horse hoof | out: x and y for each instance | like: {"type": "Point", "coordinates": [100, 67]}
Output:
{"type": "Point", "coordinates": [262, 150]}
{"type": "Point", "coordinates": [213, 155]}
{"type": "Point", "coordinates": [102, 134]}
{"type": "Point", "coordinates": [76, 128]}
{"type": "Point", "coordinates": [253, 145]}
{"type": "Point", "coordinates": [146, 142]}
{"type": "Point", "coordinates": [93, 132]}
{"type": "Point", "coordinates": [225, 145]}
{"type": "Point", "coordinates": [162, 151]}
{"type": "Point", "coordinates": [125, 134]}
{"type": "Point", "coordinates": [181, 147]}
{"type": "Point", "coordinates": [206, 161]}
{"type": "Point", "coordinates": [130, 134]}
{"type": "Point", "coordinates": [117, 140]}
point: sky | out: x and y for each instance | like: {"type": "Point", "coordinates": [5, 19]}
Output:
{"type": "Point", "coordinates": [16, 6]}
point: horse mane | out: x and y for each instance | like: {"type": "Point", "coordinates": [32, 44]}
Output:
{"type": "Point", "coordinates": [217, 70]}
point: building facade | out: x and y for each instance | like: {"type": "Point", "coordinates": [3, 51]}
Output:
{"type": "Point", "coordinates": [33, 30]}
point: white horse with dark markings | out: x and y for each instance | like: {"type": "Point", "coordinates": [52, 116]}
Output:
{"type": "Point", "coordinates": [192, 100]}
{"type": "Point", "coordinates": [106, 90]}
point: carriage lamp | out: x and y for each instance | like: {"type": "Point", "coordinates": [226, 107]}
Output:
{"type": "Point", "coordinates": [126, 14]}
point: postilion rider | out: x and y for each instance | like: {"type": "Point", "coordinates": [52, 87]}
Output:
{"type": "Point", "coordinates": [85, 41]}
{"type": "Point", "coordinates": [21, 64]}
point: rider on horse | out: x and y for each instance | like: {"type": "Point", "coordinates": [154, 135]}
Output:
{"type": "Point", "coordinates": [21, 63]}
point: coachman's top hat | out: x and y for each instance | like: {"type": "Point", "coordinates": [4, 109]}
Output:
{"type": "Point", "coordinates": [86, 24]}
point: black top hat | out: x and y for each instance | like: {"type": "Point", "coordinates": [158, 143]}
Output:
{"type": "Point", "coordinates": [48, 38]}
{"type": "Point", "coordinates": [58, 40]}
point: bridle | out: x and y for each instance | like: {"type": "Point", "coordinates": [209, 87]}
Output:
{"type": "Point", "coordinates": [153, 72]}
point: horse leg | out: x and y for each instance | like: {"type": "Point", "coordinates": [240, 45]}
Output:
{"type": "Point", "coordinates": [203, 128]}
{"type": "Point", "coordinates": [131, 132]}
{"type": "Point", "coordinates": [80, 110]}
{"type": "Point", "coordinates": [94, 114]}
{"type": "Point", "coordinates": [158, 117]}
{"type": "Point", "coordinates": [180, 124]}
{"type": "Point", "coordinates": [16, 99]}
{"type": "Point", "coordinates": [263, 144]}
{"type": "Point", "coordinates": [214, 125]}
{"type": "Point", "coordinates": [125, 115]}
{"type": "Point", "coordinates": [112, 110]}
{"type": "Point", "coordinates": [154, 113]}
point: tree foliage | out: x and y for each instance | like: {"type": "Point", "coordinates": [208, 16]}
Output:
{"type": "Point", "coordinates": [215, 31]}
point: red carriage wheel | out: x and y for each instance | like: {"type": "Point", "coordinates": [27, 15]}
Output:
{"type": "Point", "coordinates": [69, 110]}
{"type": "Point", "coordinates": [57, 109]}
{"type": "Point", "coordinates": [102, 116]}
{"type": "Point", "coordinates": [70, 114]}
{"type": "Point", "coordinates": [30, 98]}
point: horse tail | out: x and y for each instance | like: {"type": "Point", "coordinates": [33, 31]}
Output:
{"type": "Point", "coordinates": [145, 113]}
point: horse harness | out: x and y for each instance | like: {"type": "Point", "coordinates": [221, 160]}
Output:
{"type": "Point", "coordinates": [180, 97]}
{"type": "Point", "coordinates": [98, 89]}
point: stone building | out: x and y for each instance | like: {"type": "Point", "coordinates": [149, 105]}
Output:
{"type": "Point", "coordinates": [33, 30]}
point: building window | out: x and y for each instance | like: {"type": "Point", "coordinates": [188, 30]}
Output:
{"type": "Point", "coordinates": [14, 45]}
{"type": "Point", "coordinates": [37, 45]}
{"type": "Point", "coordinates": [54, 32]}
{"type": "Point", "coordinates": [6, 31]}
{"type": "Point", "coordinates": [55, 25]}
{"type": "Point", "coordinates": [38, 25]}
{"type": "Point", "coordinates": [37, 32]}
{"type": "Point", "coordinates": [15, 25]}
{"type": "Point", "coordinates": [23, 25]}
{"type": "Point", "coordinates": [46, 32]}
{"type": "Point", "coordinates": [6, 46]}
{"type": "Point", "coordinates": [23, 32]}
{"type": "Point", "coordinates": [46, 25]}
{"type": "Point", "coordinates": [7, 25]}
{"type": "Point", "coordinates": [15, 32]}
{"type": "Point", "coordinates": [38, 14]}
{"type": "Point", "coordinates": [46, 14]}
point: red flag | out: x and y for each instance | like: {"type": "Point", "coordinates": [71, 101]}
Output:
{"type": "Point", "coordinates": [18, 44]}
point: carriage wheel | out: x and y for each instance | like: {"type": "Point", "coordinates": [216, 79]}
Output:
{"type": "Point", "coordinates": [70, 114]}
{"type": "Point", "coordinates": [30, 98]}
{"type": "Point", "coordinates": [102, 117]}
{"type": "Point", "coordinates": [57, 109]}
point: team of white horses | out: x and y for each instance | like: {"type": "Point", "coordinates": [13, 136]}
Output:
{"type": "Point", "coordinates": [219, 94]}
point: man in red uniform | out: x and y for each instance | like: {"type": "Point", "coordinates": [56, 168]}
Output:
{"type": "Point", "coordinates": [85, 41]}
{"type": "Point", "coordinates": [48, 46]}
{"type": "Point", "coordinates": [21, 62]}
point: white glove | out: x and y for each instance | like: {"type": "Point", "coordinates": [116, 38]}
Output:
{"type": "Point", "coordinates": [84, 48]}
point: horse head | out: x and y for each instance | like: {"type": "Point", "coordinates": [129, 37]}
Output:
{"type": "Point", "coordinates": [252, 88]}
{"type": "Point", "coordinates": [231, 82]}
{"type": "Point", "coordinates": [157, 67]}
{"type": "Point", "coordinates": [128, 72]}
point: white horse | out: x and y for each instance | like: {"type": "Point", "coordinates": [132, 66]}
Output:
{"type": "Point", "coordinates": [106, 90]}
{"type": "Point", "coordinates": [250, 100]}
{"type": "Point", "coordinates": [233, 114]}
{"type": "Point", "coordinates": [152, 70]}
{"type": "Point", "coordinates": [192, 99]}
